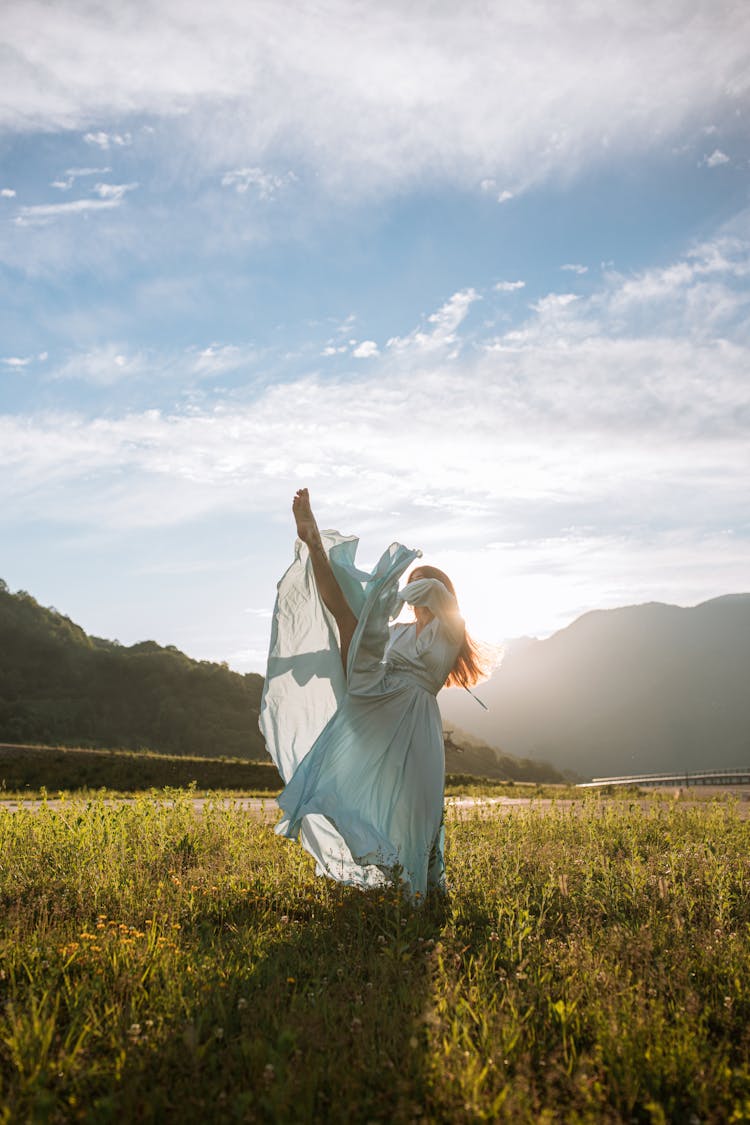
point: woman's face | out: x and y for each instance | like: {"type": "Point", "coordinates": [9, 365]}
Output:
{"type": "Point", "coordinates": [415, 574]}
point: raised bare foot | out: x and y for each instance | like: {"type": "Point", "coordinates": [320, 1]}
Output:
{"type": "Point", "coordinates": [307, 528]}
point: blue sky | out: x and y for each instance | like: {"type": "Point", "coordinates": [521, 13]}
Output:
{"type": "Point", "coordinates": [477, 276]}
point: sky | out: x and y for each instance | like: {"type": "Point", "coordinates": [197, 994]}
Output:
{"type": "Point", "coordinates": [476, 274]}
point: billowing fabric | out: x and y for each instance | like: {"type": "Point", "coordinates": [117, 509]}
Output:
{"type": "Point", "coordinates": [361, 754]}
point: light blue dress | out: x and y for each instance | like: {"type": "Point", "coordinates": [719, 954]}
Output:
{"type": "Point", "coordinates": [362, 755]}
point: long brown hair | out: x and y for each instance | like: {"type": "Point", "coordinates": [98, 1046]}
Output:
{"type": "Point", "coordinates": [470, 666]}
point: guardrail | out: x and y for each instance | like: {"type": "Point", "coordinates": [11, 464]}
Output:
{"type": "Point", "coordinates": [738, 776]}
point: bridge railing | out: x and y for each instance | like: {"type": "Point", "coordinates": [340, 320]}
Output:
{"type": "Point", "coordinates": [738, 776]}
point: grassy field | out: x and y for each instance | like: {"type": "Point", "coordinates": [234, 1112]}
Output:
{"type": "Point", "coordinates": [589, 965]}
{"type": "Point", "coordinates": [30, 770]}
{"type": "Point", "coordinates": [26, 768]}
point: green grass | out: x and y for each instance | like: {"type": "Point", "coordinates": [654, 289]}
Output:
{"type": "Point", "coordinates": [589, 965]}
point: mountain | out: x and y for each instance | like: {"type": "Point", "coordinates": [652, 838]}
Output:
{"type": "Point", "coordinates": [60, 686]}
{"type": "Point", "coordinates": [645, 688]}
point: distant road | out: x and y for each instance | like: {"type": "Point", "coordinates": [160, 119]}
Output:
{"type": "Point", "coordinates": [265, 808]}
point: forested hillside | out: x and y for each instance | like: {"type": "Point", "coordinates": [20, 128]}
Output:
{"type": "Point", "coordinates": [60, 686]}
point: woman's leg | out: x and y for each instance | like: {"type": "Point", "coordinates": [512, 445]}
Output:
{"type": "Point", "coordinates": [328, 587]}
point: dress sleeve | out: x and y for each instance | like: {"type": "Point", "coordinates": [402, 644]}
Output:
{"type": "Point", "coordinates": [432, 594]}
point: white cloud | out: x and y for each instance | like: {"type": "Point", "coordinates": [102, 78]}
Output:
{"type": "Point", "coordinates": [103, 366]}
{"type": "Point", "coordinates": [39, 214]}
{"type": "Point", "coordinates": [112, 363]}
{"type": "Point", "coordinates": [489, 187]}
{"type": "Point", "coordinates": [553, 302]}
{"type": "Point", "coordinates": [45, 212]}
{"type": "Point", "coordinates": [366, 350]}
{"type": "Point", "coordinates": [72, 174]}
{"type": "Point", "coordinates": [217, 359]}
{"type": "Point", "coordinates": [16, 361]}
{"type": "Point", "coordinates": [368, 96]}
{"type": "Point", "coordinates": [7, 193]}
{"type": "Point", "coordinates": [248, 659]}
{"type": "Point", "coordinates": [716, 158]}
{"type": "Point", "coordinates": [570, 418]}
{"type": "Point", "coordinates": [509, 286]}
{"type": "Point", "coordinates": [444, 323]}
{"type": "Point", "coordinates": [697, 296]}
{"type": "Point", "coordinates": [603, 429]}
{"type": "Point", "coordinates": [108, 140]}
{"type": "Point", "coordinates": [266, 184]}
{"type": "Point", "coordinates": [574, 267]}
{"type": "Point", "coordinates": [113, 191]}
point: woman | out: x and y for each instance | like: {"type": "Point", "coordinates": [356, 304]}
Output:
{"type": "Point", "coordinates": [349, 712]}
